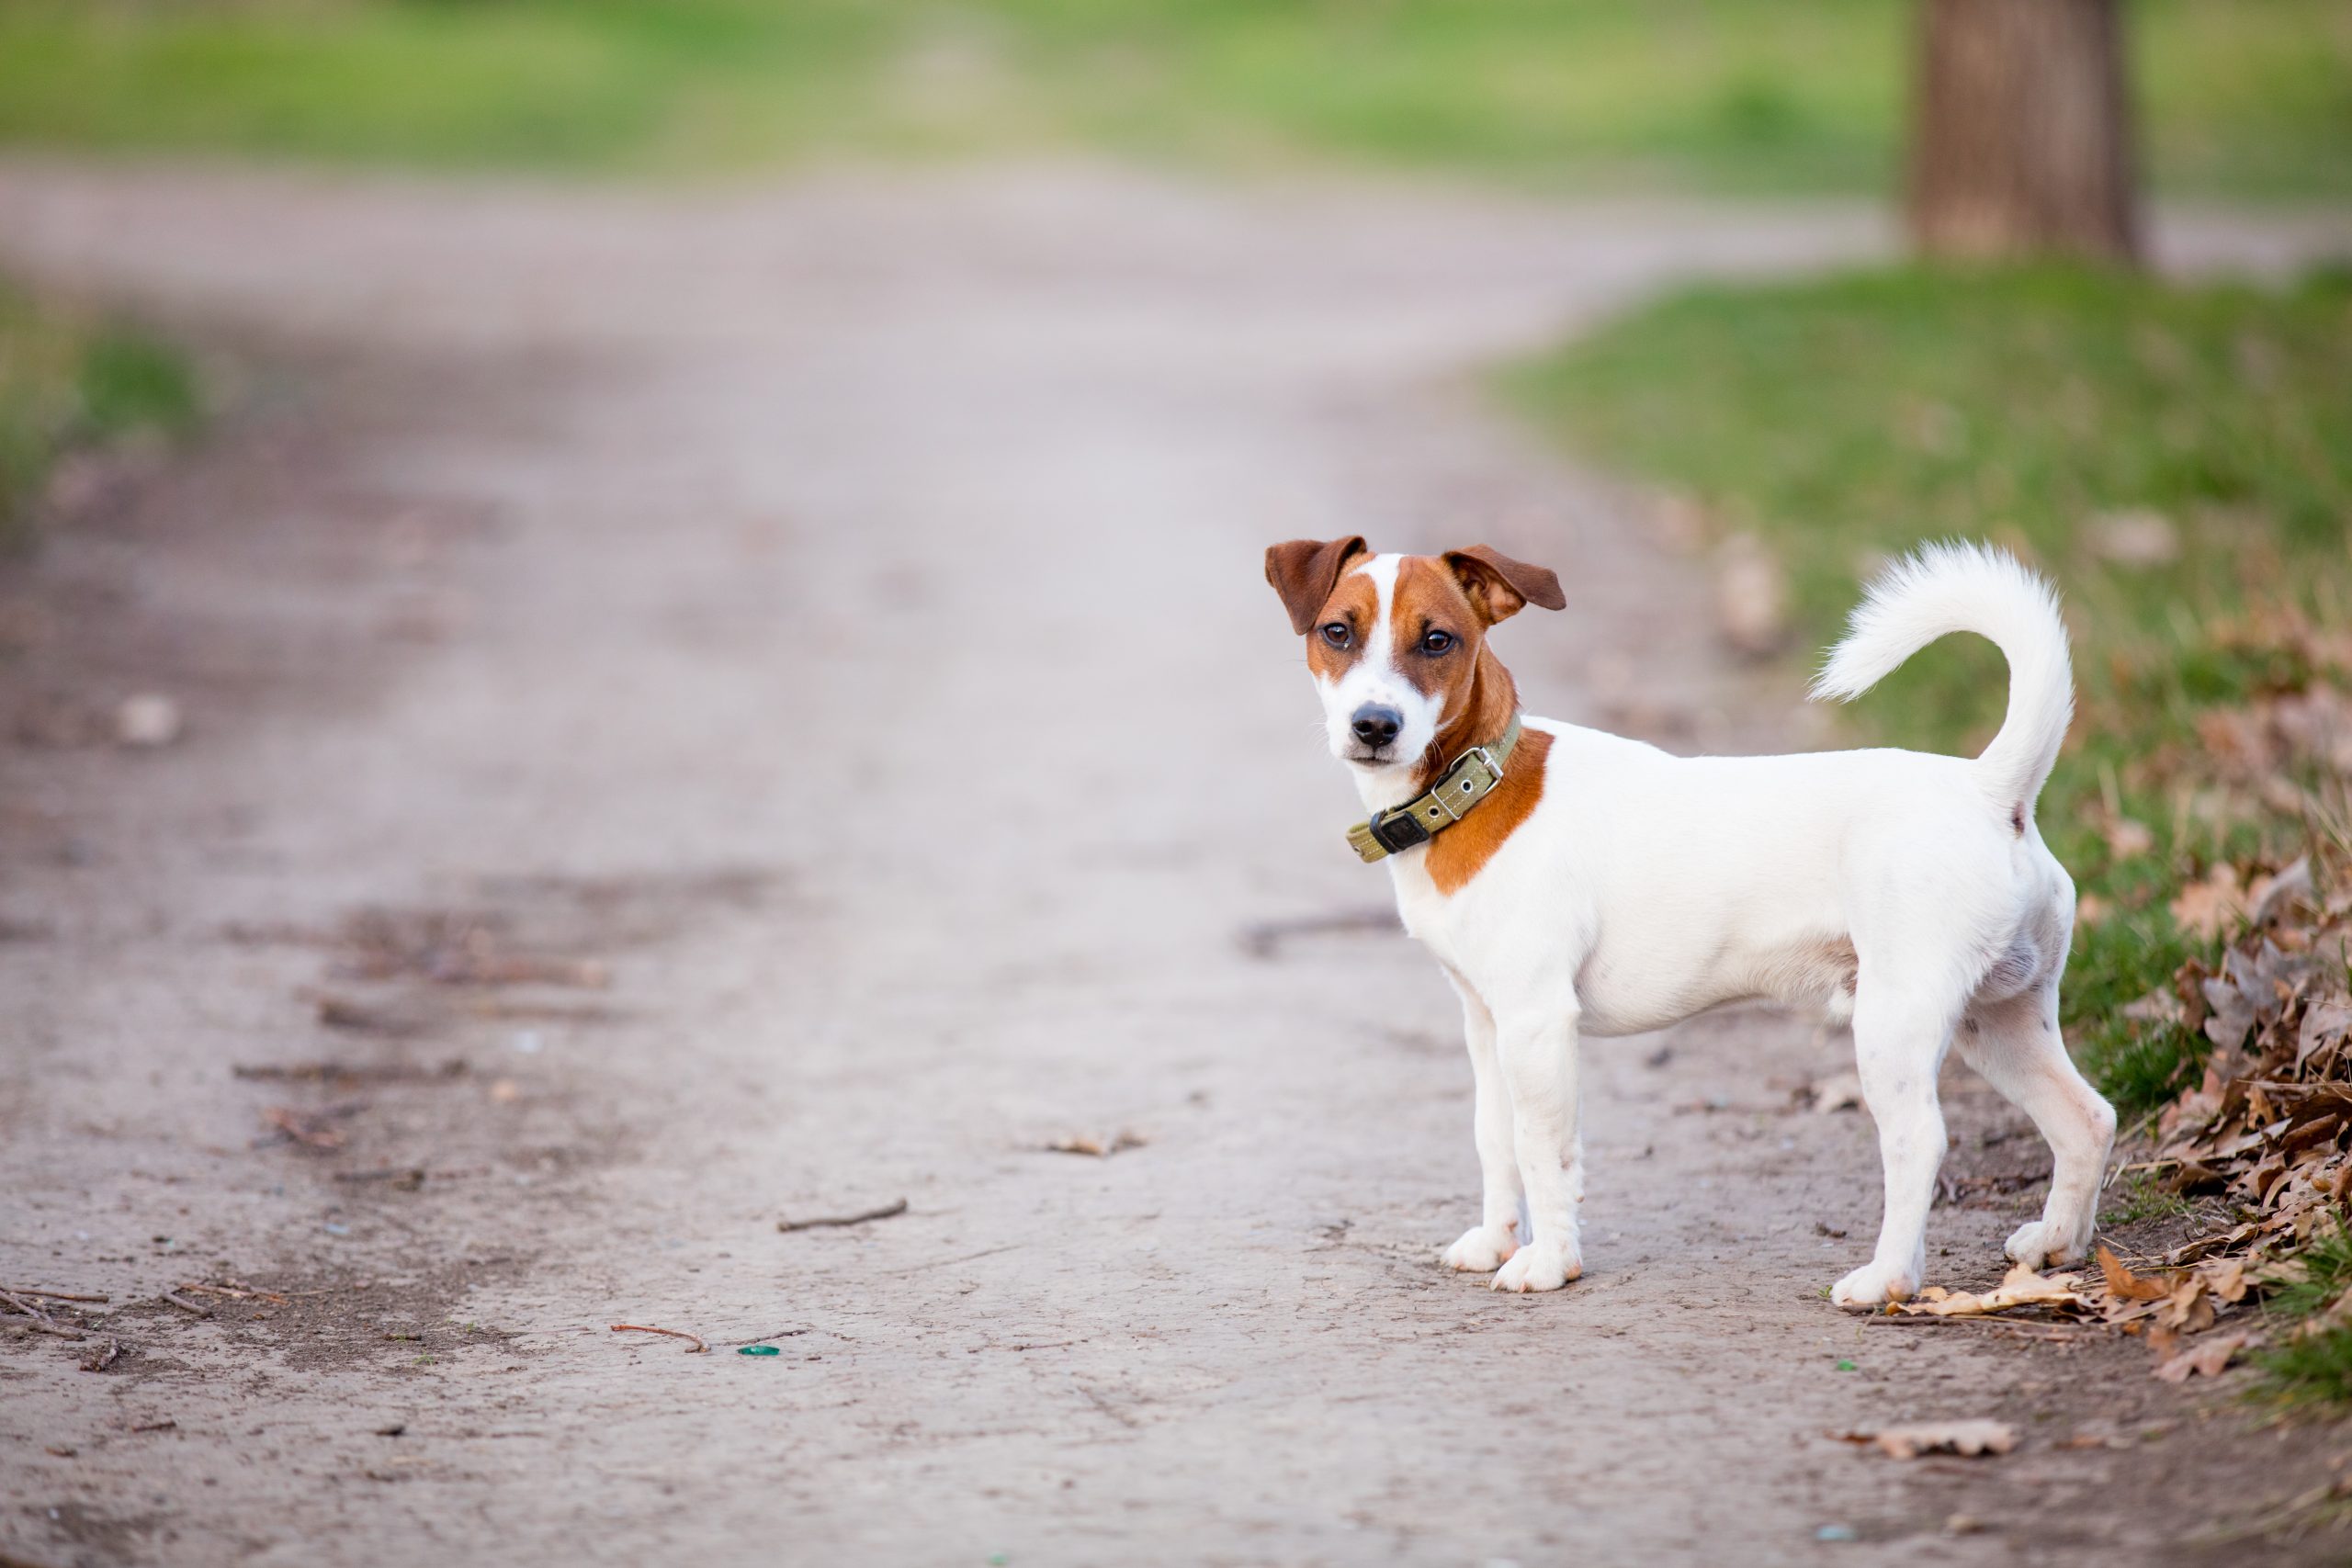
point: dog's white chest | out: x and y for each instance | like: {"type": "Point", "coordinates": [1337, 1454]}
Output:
{"type": "Point", "coordinates": [1428, 915]}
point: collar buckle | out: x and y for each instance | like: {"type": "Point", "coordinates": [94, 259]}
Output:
{"type": "Point", "coordinates": [1459, 789]}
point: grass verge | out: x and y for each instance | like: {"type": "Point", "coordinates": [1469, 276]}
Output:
{"type": "Point", "coordinates": [68, 380]}
{"type": "Point", "coordinates": [2311, 1362]}
{"type": "Point", "coordinates": [1767, 95]}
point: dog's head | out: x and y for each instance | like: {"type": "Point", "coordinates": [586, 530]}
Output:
{"type": "Point", "coordinates": [1397, 644]}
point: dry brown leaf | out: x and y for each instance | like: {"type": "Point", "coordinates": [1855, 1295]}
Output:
{"type": "Point", "coordinates": [2020, 1287]}
{"type": "Point", "coordinates": [2206, 909]}
{"type": "Point", "coordinates": [1969, 1438]}
{"type": "Point", "coordinates": [2325, 1024]}
{"type": "Point", "coordinates": [2187, 1309]}
{"type": "Point", "coordinates": [311, 1131]}
{"type": "Point", "coordinates": [2124, 1285]}
{"type": "Point", "coordinates": [2266, 1125]}
{"type": "Point", "coordinates": [2206, 1356]}
{"type": "Point", "coordinates": [1095, 1146]}
{"type": "Point", "coordinates": [2271, 894]}
{"type": "Point", "coordinates": [2225, 1278]}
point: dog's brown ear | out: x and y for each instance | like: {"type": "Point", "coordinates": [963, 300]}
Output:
{"type": "Point", "coordinates": [1499, 586]}
{"type": "Point", "coordinates": [1304, 572]}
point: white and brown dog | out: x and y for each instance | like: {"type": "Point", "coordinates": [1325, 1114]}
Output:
{"type": "Point", "coordinates": [1571, 882]}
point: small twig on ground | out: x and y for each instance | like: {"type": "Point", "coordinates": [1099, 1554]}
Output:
{"type": "Point", "coordinates": [42, 1322]}
{"type": "Point", "coordinates": [820, 1222]}
{"type": "Point", "coordinates": [1096, 1399]}
{"type": "Point", "coordinates": [237, 1290]}
{"type": "Point", "coordinates": [309, 1131]}
{"type": "Point", "coordinates": [186, 1305]}
{"type": "Point", "coordinates": [950, 1263]}
{"type": "Point", "coordinates": [47, 1295]}
{"type": "Point", "coordinates": [101, 1356]}
{"type": "Point", "coordinates": [351, 1073]}
{"type": "Point", "coordinates": [407, 1179]}
{"type": "Point", "coordinates": [700, 1349]}
{"type": "Point", "coordinates": [338, 1011]}
{"type": "Point", "coordinates": [156, 1427]}
{"type": "Point", "coordinates": [2014, 1329]}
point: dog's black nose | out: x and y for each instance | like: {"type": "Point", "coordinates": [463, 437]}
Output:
{"type": "Point", "coordinates": [1376, 726]}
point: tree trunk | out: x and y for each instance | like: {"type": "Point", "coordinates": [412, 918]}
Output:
{"type": "Point", "coordinates": [2022, 142]}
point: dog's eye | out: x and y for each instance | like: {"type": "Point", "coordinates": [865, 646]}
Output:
{"type": "Point", "coordinates": [1436, 642]}
{"type": "Point", "coordinates": [1336, 632]}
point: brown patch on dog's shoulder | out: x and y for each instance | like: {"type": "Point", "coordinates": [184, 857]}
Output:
{"type": "Point", "coordinates": [1462, 850]}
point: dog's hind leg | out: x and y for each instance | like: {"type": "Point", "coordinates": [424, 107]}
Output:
{"type": "Point", "coordinates": [1538, 1051]}
{"type": "Point", "coordinates": [2016, 1048]}
{"type": "Point", "coordinates": [1484, 1246]}
{"type": "Point", "coordinates": [1902, 1026]}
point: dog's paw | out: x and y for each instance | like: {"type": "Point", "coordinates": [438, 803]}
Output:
{"type": "Point", "coordinates": [2043, 1243]}
{"type": "Point", "coordinates": [1539, 1267]}
{"type": "Point", "coordinates": [1482, 1250]}
{"type": "Point", "coordinates": [1871, 1286]}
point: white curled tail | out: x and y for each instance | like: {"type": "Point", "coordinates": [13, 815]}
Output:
{"type": "Point", "coordinates": [1957, 587]}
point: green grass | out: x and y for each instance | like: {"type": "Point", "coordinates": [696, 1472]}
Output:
{"type": "Point", "coordinates": [2315, 1369]}
{"type": "Point", "coordinates": [2137, 1198]}
{"type": "Point", "coordinates": [2243, 98]}
{"type": "Point", "coordinates": [68, 380]}
{"type": "Point", "coordinates": [1846, 419]}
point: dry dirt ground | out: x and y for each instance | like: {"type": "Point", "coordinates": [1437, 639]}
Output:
{"type": "Point", "coordinates": [724, 706]}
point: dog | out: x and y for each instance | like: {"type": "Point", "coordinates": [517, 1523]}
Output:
{"type": "Point", "coordinates": [1570, 882]}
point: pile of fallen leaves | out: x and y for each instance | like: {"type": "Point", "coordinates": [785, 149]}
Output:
{"type": "Point", "coordinates": [2263, 1133]}
{"type": "Point", "coordinates": [2165, 1305]}
{"type": "Point", "coordinates": [2266, 1125]}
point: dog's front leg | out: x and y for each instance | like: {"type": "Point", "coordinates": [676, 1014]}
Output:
{"type": "Point", "coordinates": [1484, 1246]}
{"type": "Point", "coordinates": [1538, 1061]}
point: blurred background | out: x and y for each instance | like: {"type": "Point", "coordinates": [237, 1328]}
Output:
{"type": "Point", "coordinates": [2074, 276]}
{"type": "Point", "coordinates": [2243, 99]}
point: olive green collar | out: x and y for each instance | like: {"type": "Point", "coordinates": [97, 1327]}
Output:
{"type": "Point", "coordinates": [1470, 780]}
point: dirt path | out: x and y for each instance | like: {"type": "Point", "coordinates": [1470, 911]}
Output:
{"type": "Point", "coordinates": [832, 618]}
